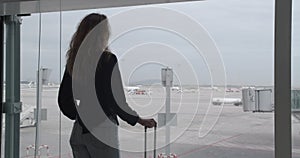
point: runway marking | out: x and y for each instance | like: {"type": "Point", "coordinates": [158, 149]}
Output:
{"type": "Point", "coordinates": [224, 143]}
{"type": "Point", "coordinates": [253, 147]}
{"type": "Point", "coordinates": [207, 146]}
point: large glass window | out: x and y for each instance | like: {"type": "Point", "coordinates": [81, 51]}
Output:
{"type": "Point", "coordinates": [221, 54]}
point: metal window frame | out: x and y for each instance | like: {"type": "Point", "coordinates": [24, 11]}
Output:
{"type": "Point", "coordinates": [12, 106]}
{"type": "Point", "coordinates": [1, 74]}
{"type": "Point", "coordinates": [282, 60]}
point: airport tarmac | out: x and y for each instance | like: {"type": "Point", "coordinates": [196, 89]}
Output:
{"type": "Point", "coordinates": [202, 130]}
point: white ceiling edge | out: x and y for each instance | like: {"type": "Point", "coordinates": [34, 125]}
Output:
{"type": "Point", "coordinates": [12, 7]}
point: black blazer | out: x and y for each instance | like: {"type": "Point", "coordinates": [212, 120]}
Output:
{"type": "Point", "coordinates": [110, 92]}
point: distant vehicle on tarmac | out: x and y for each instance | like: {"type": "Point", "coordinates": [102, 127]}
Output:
{"type": "Point", "coordinates": [220, 101]}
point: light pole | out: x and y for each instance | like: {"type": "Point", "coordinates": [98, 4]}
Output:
{"type": "Point", "coordinates": [167, 81]}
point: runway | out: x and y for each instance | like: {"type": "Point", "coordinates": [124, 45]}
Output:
{"type": "Point", "coordinates": [202, 130]}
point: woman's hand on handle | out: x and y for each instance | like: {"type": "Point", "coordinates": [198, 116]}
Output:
{"type": "Point", "coordinates": [149, 123]}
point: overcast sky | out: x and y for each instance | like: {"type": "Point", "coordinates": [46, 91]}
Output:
{"type": "Point", "coordinates": [242, 31]}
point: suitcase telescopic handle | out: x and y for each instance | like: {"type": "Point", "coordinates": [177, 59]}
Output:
{"type": "Point", "coordinates": [154, 150]}
{"type": "Point", "coordinates": [145, 149]}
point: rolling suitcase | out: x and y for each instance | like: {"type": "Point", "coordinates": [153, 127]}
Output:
{"type": "Point", "coordinates": [145, 150]}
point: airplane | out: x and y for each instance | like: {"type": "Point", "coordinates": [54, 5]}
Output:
{"type": "Point", "coordinates": [177, 89]}
{"type": "Point", "coordinates": [234, 101]}
{"type": "Point", "coordinates": [215, 88]}
{"type": "Point", "coordinates": [131, 88]}
{"type": "Point", "coordinates": [211, 88]}
{"type": "Point", "coordinates": [233, 90]}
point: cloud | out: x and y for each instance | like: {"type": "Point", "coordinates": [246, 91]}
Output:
{"type": "Point", "coordinates": [242, 30]}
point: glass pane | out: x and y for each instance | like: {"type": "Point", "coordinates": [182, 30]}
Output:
{"type": "Point", "coordinates": [29, 58]}
{"type": "Point", "coordinates": [50, 69]}
{"type": "Point", "coordinates": [243, 32]}
{"type": "Point", "coordinates": [48, 137]}
{"type": "Point", "coordinates": [211, 119]}
{"type": "Point", "coordinates": [296, 80]}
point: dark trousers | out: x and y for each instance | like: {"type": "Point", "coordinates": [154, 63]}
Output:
{"type": "Point", "coordinates": [88, 146]}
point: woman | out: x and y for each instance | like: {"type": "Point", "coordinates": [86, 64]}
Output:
{"type": "Point", "coordinates": [83, 143]}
